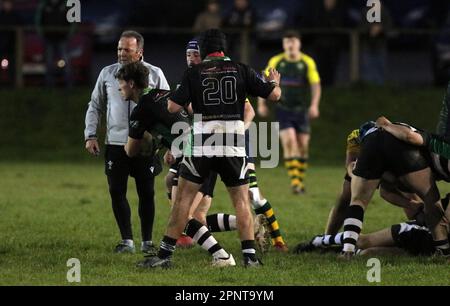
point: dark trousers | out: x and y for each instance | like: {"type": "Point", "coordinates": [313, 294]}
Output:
{"type": "Point", "coordinates": [118, 167]}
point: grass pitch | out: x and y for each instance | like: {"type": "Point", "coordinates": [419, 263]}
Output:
{"type": "Point", "coordinates": [51, 212]}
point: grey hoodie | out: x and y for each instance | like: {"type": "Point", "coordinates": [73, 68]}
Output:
{"type": "Point", "coordinates": [106, 98]}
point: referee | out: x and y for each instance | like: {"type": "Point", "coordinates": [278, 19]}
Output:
{"type": "Point", "coordinates": [106, 100]}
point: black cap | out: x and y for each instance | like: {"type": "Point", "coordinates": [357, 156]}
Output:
{"type": "Point", "coordinates": [212, 40]}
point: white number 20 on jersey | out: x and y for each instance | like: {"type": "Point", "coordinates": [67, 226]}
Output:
{"type": "Point", "coordinates": [218, 91]}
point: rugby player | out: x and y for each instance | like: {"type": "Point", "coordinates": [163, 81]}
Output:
{"type": "Point", "coordinates": [298, 70]}
{"type": "Point", "coordinates": [390, 189]}
{"type": "Point", "coordinates": [411, 238]}
{"type": "Point", "coordinates": [151, 115]}
{"type": "Point", "coordinates": [202, 202]}
{"type": "Point", "coordinates": [217, 89]}
{"type": "Point", "coordinates": [381, 152]}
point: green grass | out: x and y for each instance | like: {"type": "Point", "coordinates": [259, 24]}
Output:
{"type": "Point", "coordinates": [51, 212]}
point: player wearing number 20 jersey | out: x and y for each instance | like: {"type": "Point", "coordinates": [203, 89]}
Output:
{"type": "Point", "coordinates": [217, 88]}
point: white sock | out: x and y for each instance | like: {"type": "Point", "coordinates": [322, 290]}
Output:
{"type": "Point", "coordinates": [317, 242]}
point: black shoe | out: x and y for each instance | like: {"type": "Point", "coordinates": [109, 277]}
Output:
{"type": "Point", "coordinates": [304, 247]}
{"type": "Point", "coordinates": [249, 263]}
{"type": "Point", "coordinates": [155, 262]}
{"type": "Point", "coordinates": [149, 249]}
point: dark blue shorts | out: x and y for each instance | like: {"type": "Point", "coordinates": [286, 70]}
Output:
{"type": "Point", "coordinates": [290, 119]}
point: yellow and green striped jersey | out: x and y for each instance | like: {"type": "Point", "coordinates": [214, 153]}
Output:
{"type": "Point", "coordinates": [296, 77]}
{"type": "Point", "coordinates": [353, 143]}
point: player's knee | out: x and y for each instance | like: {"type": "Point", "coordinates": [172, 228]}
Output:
{"type": "Point", "coordinates": [244, 221]}
{"type": "Point", "coordinates": [242, 208]}
{"type": "Point", "coordinates": [201, 217]}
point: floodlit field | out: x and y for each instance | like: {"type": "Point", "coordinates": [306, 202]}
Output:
{"type": "Point", "coordinates": [51, 212]}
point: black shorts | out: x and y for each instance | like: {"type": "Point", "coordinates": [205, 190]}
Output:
{"type": "Point", "coordinates": [414, 239]}
{"type": "Point", "coordinates": [207, 187]}
{"type": "Point", "coordinates": [232, 170]}
{"type": "Point", "coordinates": [381, 152]}
{"type": "Point", "coordinates": [117, 163]}
{"type": "Point", "coordinates": [290, 119]}
{"type": "Point", "coordinates": [209, 184]}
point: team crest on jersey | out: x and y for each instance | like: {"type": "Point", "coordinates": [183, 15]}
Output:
{"type": "Point", "coordinates": [300, 66]}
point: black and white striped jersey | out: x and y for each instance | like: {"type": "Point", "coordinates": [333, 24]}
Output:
{"type": "Point", "coordinates": [217, 89]}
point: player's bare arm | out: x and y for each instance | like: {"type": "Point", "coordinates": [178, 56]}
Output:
{"type": "Point", "coordinates": [401, 132]}
{"type": "Point", "coordinates": [173, 107]}
{"type": "Point", "coordinates": [263, 110]}
{"type": "Point", "coordinates": [249, 114]}
{"type": "Point", "coordinates": [316, 93]}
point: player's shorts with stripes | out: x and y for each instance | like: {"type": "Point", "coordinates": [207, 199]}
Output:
{"type": "Point", "coordinates": [207, 187]}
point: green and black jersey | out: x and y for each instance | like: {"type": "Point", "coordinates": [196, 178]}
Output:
{"type": "Point", "coordinates": [151, 115]}
{"type": "Point", "coordinates": [296, 78]}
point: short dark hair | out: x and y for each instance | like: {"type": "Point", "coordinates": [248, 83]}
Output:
{"type": "Point", "coordinates": [134, 34]}
{"type": "Point", "coordinates": [136, 72]}
{"type": "Point", "coordinates": [292, 34]}
{"type": "Point", "coordinates": [212, 40]}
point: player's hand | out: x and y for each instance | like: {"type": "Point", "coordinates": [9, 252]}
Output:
{"type": "Point", "coordinates": [169, 159]}
{"type": "Point", "coordinates": [313, 112]}
{"type": "Point", "coordinates": [382, 122]}
{"type": "Point", "coordinates": [263, 110]}
{"type": "Point", "coordinates": [274, 75]}
{"type": "Point", "coordinates": [93, 147]}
